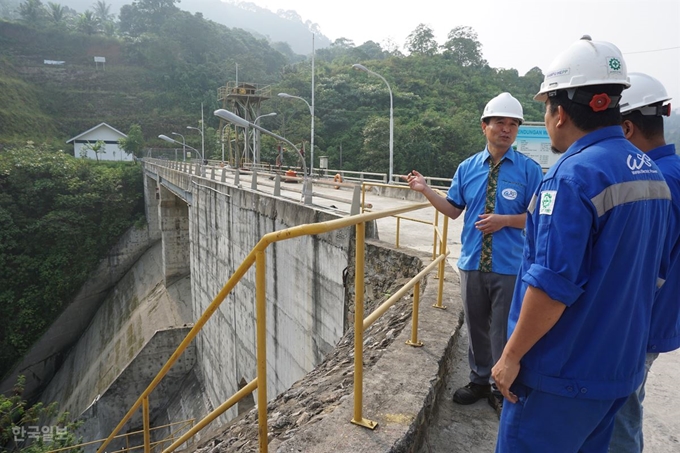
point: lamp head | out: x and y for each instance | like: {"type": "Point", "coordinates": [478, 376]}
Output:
{"type": "Point", "coordinates": [231, 117]}
{"type": "Point", "coordinates": [360, 67]}
{"type": "Point", "coordinates": [166, 138]}
{"type": "Point", "coordinates": [285, 95]}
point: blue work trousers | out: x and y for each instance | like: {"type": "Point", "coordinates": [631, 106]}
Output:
{"type": "Point", "coordinates": [542, 422]}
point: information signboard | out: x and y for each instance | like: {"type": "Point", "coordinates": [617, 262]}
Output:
{"type": "Point", "coordinates": [533, 141]}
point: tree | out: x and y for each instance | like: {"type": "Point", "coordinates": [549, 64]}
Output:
{"type": "Point", "coordinates": [343, 43]}
{"type": "Point", "coordinates": [421, 41]}
{"type": "Point", "coordinates": [88, 23]}
{"type": "Point", "coordinates": [146, 15]}
{"type": "Point", "coordinates": [98, 147]}
{"type": "Point", "coordinates": [32, 12]}
{"type": "Point", "coordinates": [463, 47]}
{"type": "Point", "coordinates": [56, 13]}
{"type": "Point", "coordinates": [134, 142]}
{"type": "Point", "coordinates": [102, 11]}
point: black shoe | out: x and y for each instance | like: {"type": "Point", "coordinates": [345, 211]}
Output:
{"type": "Point", "coordinates": [471, 393]}
{"type": "Point", "coordinates": [496, 401]}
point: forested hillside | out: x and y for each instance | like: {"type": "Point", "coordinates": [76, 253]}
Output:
{"type": "Point", "coordinates": [58, 217]}
{"type": "Point", "coordinates": [162, 63]}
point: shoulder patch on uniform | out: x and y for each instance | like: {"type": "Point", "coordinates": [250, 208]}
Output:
{"type": "Point", "coordinates": [547, 202]}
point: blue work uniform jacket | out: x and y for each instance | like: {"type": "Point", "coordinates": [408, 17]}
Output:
{"type": "Point", "coordinates": [518, 177]}
{"type": "Point", "coordinates": [595, 240]}
{"type": "Point", "coordinates": [664, 332]}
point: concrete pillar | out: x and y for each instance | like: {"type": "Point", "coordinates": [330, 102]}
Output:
{"type": "Point", "coordinates": [151, 200]}
{"type": "Point", "coordinates": [174, 222]}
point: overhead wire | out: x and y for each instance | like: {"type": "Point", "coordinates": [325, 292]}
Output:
{"type": "Point", "coordinates": [654, 50]}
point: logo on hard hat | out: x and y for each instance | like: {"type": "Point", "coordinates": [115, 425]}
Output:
{"type": "Point", "coordinates": [557, 73]}
{"type": "Point", "coordinates": [613, 64]}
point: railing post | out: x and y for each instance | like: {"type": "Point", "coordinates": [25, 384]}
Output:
{"type": "Point", "coordinates": [357, 206]}
{"type": "Point", "coordinates": [261, 321]}
{"type": "Point", "coordinates": [435, 242]}
{"type": "Point", "coordinates": [442, 250]}
{"type": "Point", "coordinates": [253, 180]}
{"type": "Point", "coordinates": [236, 178]}
{"type": "Point", "coordinates": [359, 329]}
{"type": "Point", "coordinates": [145, 416]}
{"type": "Point", "coordinates": [414, 323]}
{"type": "Point", "coordinates": [277, 185]}
{"type": "Point", "coordinates": [398, 226]}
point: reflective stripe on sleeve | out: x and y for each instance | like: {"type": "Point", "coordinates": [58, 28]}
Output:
{"type": "Point", "coordinates": [532, 205]}
{"type": "Point", "coordinates": [628, 192]}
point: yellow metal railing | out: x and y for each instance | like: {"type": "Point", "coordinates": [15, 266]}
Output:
{"type": "Point", "coordinates": [179, 426]}
{"type": "Point", "coordinates": [440, 236]}
{"type": "Point", "coordinates": [257, 257]}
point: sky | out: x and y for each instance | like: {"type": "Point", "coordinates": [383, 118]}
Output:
{"type": "Point", "coordinates": [514, 34]}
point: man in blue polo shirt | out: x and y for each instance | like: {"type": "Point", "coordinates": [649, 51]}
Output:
{"type": "Point", "coordinates": [494, 187]}
{"type": "Point", "coordinates": [643, 109]}
{"type": "Point", "coordinates": [595, 232]}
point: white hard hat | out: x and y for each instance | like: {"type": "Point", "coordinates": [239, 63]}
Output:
{"type": "Point", "coordinates": [585, 63]}
{"type": "Point", "coordinates": [504, 105]}
{"type": "Point", "coordinates": [644, 91]}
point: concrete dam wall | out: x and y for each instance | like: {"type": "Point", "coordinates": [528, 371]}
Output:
{"type": "Point", "coordinates": [206, 229]}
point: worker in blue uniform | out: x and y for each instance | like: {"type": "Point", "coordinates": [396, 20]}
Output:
{"type": "Point", "coordinates": [494, 188]}
{"type": "Point", "coordinates": [595, 235]}
{"type": "Point", "coordinates": [643, 107]}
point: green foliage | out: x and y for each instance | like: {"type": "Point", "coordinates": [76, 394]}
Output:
{"type": "Point", "coordinates": [17, 418]}
{"type": "Point", "coordinates": [98, 147]}
{"type": "Point", "coordinates": [134, 142]}
{"type": "Point", "coordinates": [421, 41]}
{"type": "Point", "coordinates": [58, 217]}
{"type": "Point", "coordinates": [464, 47]}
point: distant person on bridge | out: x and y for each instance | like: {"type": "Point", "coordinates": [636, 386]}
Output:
{"type": "Point", "coordinates": [643, 109]}
{"type": "Point", "coordinates": [494, 188]}
{"type": "Point", "coordinates": [593, 258]}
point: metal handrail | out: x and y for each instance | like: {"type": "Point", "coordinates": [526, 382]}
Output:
{"type": "Point", "coordinates": [257, 256]}
{"type": "Point", "coordinates": [183, 423]}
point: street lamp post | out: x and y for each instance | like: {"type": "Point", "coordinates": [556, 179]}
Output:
{"type": "Point", "coordinates": [311, 112]}
{"type": "Point", "coordinates": [256, 151]}
{"type": "Point", "coordinates": [238, 121]}
{"type": "Point", "coordinates": [361, 67]}
{"type": "Point", "coordinates": [172, 140]}
{"type": "Point", "coordinates": [184, 146]}
{"type": "Point", "coordinates": [202, 143]}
